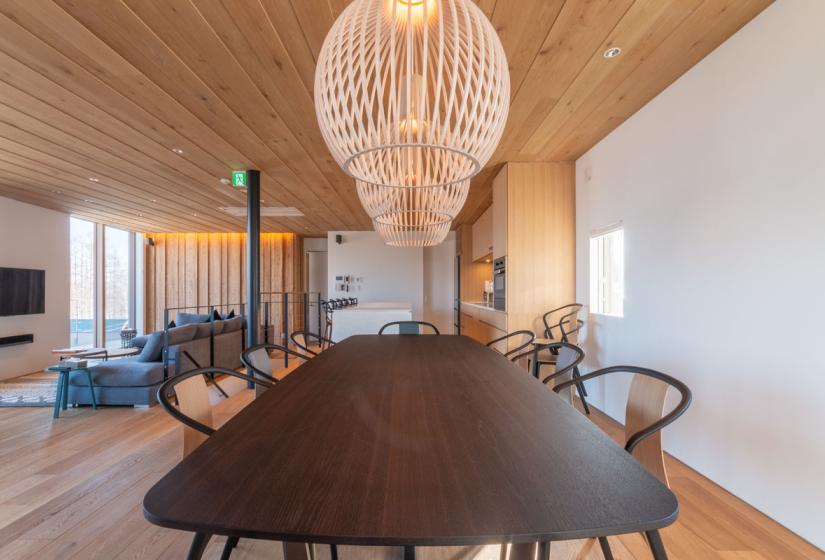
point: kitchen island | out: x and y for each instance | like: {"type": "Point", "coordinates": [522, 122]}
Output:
{"type": "Point", "coordinates": [368, 318]}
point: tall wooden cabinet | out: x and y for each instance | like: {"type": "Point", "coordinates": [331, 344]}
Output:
{"type": "Point", "coordinates": [540, 239]}
{"type": "Point", "coordinates": [533, 225]}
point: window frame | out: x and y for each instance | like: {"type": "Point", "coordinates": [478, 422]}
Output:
{"type": "Point", "coordinates": [99, 280]}
{"type": "Point", "coordinates": [600, 268]}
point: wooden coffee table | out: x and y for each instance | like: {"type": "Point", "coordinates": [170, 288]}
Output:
{"type": "Point", "coordinates": [89, 352]}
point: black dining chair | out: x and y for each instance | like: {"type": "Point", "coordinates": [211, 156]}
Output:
{"type": "Point", "coordinates": [257, 362]}
{"type": "Point", "coordinates": [568, 358]}
{"type": "Point", "coordinates": [309, 343]}
{"type": "Point", "coordinates": [522, 338]}
{"type": "Point", "coordinates": [195, 413]}
{"type": "Point", "coordinates": [644, 421]}
{"type": "Point", "coordinates": [409, 327]}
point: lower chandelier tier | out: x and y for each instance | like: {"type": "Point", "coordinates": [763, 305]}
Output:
{"type": "Point", "coordinates": [406, 235]}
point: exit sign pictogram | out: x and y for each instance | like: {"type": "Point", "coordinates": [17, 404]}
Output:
{"type": "Point", "coordinates": [239, 179]}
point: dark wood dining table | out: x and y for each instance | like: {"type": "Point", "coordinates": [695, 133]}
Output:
{"type": "Point", "coordinates": [411, 441]}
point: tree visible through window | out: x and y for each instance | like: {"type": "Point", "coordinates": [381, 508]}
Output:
{"type": "Point", "coordinates": [607, 272]}
{"type": "Point", "coordinates": [116, 284]}
{"type": "Point", "coordinates": [82, 282]}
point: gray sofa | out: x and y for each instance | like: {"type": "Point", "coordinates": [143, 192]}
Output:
{"type": "Point", "coordinates": [135, 380]}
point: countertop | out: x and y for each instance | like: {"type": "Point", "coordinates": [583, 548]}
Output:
{"type": "Point", "coordinates": [482, 305]}
{"type": "Point", "coordinates": [377, 306]}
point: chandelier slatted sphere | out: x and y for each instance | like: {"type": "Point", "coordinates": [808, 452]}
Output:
{"type": "Point", "coordinates": [411, 98]}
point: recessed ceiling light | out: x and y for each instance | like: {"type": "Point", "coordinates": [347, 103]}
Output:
{"type": "Point", "coordinates": [178, 151]}
{"type": "Point", "coordinates": [88, 200]}
{"type": "Point", "coordinates": [94, 179]}
{"type": "Point", "coordinates": [154, 200]}
{"type": "Point", "coordinates": [194, 214]}
{"type": "Point", "coordinates": [225, 181]}
{"type": "Point", "coordinates": [612, 52]}
{"type": "Point", "coordinates": [140, 215]}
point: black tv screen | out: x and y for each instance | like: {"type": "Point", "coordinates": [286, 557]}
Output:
{"type": "Point", "coordinates": [22, 291]}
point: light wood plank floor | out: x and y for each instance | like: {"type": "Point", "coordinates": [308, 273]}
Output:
{"type": "Point", "coordinates": [72, 488]}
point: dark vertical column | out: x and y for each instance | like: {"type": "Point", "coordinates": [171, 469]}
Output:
{"type": "Point", "coordinates": [253, 255]}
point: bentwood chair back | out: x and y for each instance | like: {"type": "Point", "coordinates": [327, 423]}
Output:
{"type": "Point", "coordinates": [194, 410]}
{"type": "Point", "coordinates": [258, 363]}
{"type": "Point", "coordinates": [310, 343]}
{"type": "Point", "coordinates": [410, 327]}
{"type": "Point", "coordinates": [519, 340]}
{"type": "Point", "coordinates": [645, 413]}
{"type": "Point", "coordinates": [568, 358]}
{"type": "Point", "coordinates": [555, 317]}
{"type": "Point", "coordinates": [195, 413]}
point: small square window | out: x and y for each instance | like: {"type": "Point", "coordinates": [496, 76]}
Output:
{"type": "Point", "coordinates": [607, 272]}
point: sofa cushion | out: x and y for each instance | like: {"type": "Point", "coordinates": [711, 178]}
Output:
{"type": "Point", "coordinates": [182, 334]}
{"type": "Point", "coordinates": [125, 372]}
{"type": "Point", "coordinates": [189, 318]}
{"type": "Point", "coordinates": [205, 329]}
{"type": "Point", "coordinates": [233, 324]}
{"type": "Point", "coordinates": [152, 349]}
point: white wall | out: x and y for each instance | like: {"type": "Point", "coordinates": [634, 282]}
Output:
{"type": "Point", "coordinates": [390, 274]}
{"type": "Point", "coordinates": [439, 284]}
{"type": "Point", "coordinates": [33, 237]}
{"type": "Point", "coordinates": [720, 183]}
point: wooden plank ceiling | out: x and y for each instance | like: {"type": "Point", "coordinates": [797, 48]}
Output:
{"type": "Point", "coordinates": [129, 112]}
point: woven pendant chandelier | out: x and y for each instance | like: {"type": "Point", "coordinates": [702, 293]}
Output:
{"type": "Point", "coordinates": [411, 98]}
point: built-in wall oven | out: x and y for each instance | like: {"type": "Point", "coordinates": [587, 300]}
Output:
{"type": "Point", "coordinates": [499, 284]}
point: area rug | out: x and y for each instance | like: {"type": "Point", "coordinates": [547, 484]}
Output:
{"type": "Point", "coordinates": [29, 390]}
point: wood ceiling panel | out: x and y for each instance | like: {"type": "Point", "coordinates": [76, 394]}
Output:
{"type": "Point", "coordinates": [106, 89]}
{"type": "Point", "coordinates": [706, 28]}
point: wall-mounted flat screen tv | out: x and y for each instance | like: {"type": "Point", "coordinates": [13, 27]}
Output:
{"type": "Point", "coordinates": [22, 291]}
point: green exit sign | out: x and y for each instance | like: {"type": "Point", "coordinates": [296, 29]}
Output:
{"type": "Point", "coordinates": [239, 179]}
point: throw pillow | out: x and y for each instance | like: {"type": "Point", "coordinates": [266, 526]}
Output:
{"type": "Point", "coordinates": [182, 334]}
{"type": "Point", "coordinates": [152, 349]}
{"type": "Point", "coordinates": [189, 318]}
{"type": "Point", "coordinates": [138, 341]}
{"type": "Point", "coordinates": [215, 315]}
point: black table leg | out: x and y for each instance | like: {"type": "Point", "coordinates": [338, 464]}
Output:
{"type": "Point", "coordinates": [657, 547]}
{"type": "Point", "coordinates": [199, 542]}
{"type": "Point", "coordinates": [231, 542]}
{"type": "Point", "coordinates": [606, 552]}
{"type": "Point", "coordinates": [409, 553]}
{"type": "Point", "coordinates": [544, 551]}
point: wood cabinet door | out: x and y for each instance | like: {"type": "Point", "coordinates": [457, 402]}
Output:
{"type": "Point", "coordinates": [483, 235]}
{"type": "Point", "coordinates": [500, 214]}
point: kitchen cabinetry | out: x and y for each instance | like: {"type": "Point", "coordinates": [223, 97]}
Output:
{"type": "Point", "coordinates": [499, 213]}
{"type": "Point", "coordinates": [483, 236]}
{"type": "Point", "coordinates": [482, 324]}
{"type": "Point", "coordinates": [532, 222]}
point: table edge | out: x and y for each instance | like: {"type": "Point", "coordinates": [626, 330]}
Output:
{"type": "Point", "coordinates": [411, 541]}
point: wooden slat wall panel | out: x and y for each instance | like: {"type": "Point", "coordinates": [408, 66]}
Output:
{"type": "Point", "coordinates": [187, 270]}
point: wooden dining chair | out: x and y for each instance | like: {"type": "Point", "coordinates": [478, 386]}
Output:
{"type": "Point", "coordinates": [409, 327]}
{"type": "Point", "coordinates": [258, 363]}
{"type": "Point", "coordinates": [309, 343]}
{"type": "Point", "coordinates": [195, 412]}
{"type": "Point", "coordinates": [522, 339]}
{"type": "Point", "coordinates": [568, 358]}
{"type": "Point", "coordinates": [644, 418]}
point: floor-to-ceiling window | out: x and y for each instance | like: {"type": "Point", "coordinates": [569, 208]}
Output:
{"type": "Point", "coordinates": [102, 283]}
{"type": "Point", "coordinates": [117, 272]}
{"type": "Point", "coordinates": [82, 273]}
